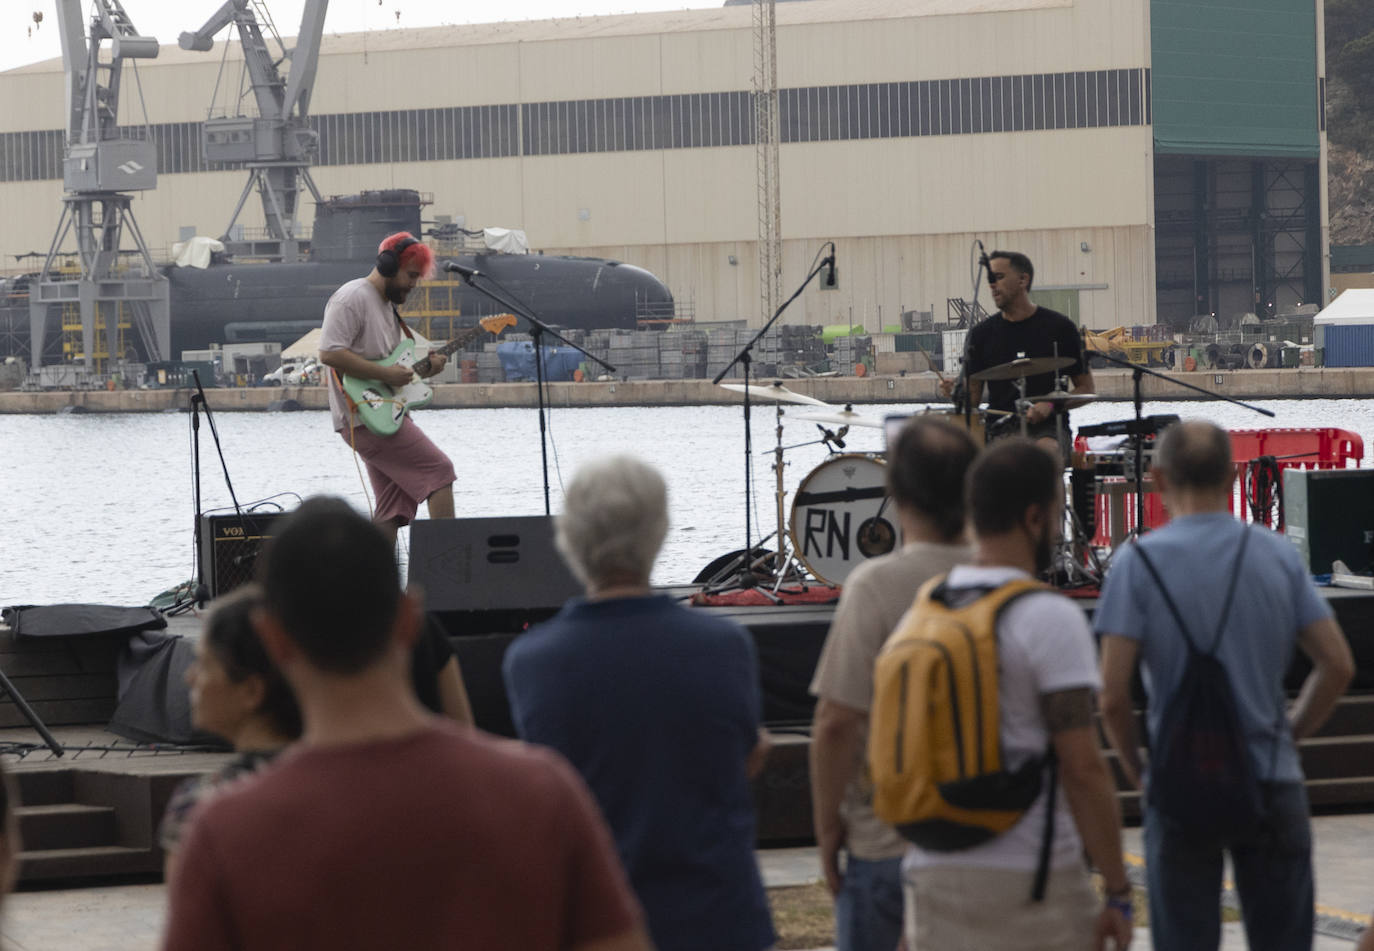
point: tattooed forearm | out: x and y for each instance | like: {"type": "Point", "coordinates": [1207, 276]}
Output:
{"type": "Point", "coordinates": [1067, 709]}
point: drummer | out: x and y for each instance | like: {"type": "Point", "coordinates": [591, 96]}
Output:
{"type": "Point", "coordinates": [1021, 329]}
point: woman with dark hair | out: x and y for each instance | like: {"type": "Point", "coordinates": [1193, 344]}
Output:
{"type": "Point", "coordinates": [236, 693]}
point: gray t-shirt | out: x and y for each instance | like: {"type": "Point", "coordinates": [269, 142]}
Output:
{"type": "Point", "coordinates": [357, 318]}
{"type": "Point", "coordinates": [875, 596]}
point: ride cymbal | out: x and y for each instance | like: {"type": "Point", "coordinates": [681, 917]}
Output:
{"type": "Point", "coordinates": [1026, 366]}
{"type": "Point", "coordinates": [777, 392]}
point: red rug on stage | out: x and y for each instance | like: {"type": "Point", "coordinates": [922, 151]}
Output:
{"type": "Point", "coordinates": [759, 597]}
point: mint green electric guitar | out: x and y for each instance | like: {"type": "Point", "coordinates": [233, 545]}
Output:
{"type": "Point", "coordinates": [381, 407]}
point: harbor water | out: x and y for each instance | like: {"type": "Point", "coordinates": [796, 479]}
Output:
{"type": "Point", "coordinates": [100, 508]}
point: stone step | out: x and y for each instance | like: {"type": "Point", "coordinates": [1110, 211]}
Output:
{"type": "Point", "coordinates": [96, 862]}
{"type": "Point", "coordinates": [66, 826]}
{"type": "Point", "coordinates": [45, 787]}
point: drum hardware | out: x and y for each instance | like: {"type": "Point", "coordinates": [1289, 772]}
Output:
{"type": "Point", "coordinates": [839, 516]}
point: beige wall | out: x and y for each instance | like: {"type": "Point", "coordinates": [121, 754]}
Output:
{"type": "Point", "coordinates": [903, 211]}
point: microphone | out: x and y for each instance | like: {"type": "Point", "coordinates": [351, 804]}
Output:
{"type": "Point", "coordinates": [829, 437]}
{"type": "Point", "coordinates": [828, 278]}
{"type": "Point", "coordinates": [985, 262]}
{"type": "Point", "coordinates": [466, 273]}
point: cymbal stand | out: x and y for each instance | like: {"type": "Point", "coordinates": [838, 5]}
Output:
{"type": "Point", "coordinates": [744, 576]}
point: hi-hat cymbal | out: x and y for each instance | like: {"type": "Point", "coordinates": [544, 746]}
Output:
{"type": "Point", "coordinates": [777, 392]}
{"type": "Point", "coordinates": [844, 417]}
{"type": "Point", "coordinates": [1026, 366]}
{"type": "Point", "coordinates": [1060, 396]}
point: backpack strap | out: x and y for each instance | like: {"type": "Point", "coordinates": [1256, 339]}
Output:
{"type": "Point", "coordinates": [1178, 615]}
{"type": "Point", "coordinates": [1042, 865]}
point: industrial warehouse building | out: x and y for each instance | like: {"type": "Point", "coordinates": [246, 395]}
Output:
{"type": "Point", "coordinates": [1156, 160]}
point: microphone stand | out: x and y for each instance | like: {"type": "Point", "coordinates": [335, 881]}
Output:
{"type": "Point", "coordinates": [537, 330]}
{"type": "Point", "coordinates": [744, 577]}
{"type": "Point", "coordinates": [198, 401]}
{"type": "Point", "coordinates": [1136, 430]}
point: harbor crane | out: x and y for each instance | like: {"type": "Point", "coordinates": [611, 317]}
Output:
{"type": "Point", "coordinates": [276, 143]}
{"type": "Point", "coordinates": [102, 163]}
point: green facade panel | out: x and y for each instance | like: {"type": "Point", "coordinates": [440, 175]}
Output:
{"type": "Point", "coordinates": [1235, 78]}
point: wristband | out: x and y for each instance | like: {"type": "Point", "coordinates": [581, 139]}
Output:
{"type": "Point", "coordinates": [1122, 905]}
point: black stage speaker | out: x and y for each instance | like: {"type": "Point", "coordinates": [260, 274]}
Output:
{"type": "Point", "coordinates": [1329, 515]}
{"type": "Point", "coordinates": [229, 547]}
{"type": "Point", "coordinates": [486, 566]}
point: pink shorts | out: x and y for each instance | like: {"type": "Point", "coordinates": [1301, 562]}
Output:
{"type": "Point", "coordinates": [405, 469]}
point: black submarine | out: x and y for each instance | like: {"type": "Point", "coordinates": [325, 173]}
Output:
{"type": "Point", "coordinates": [254, 301]}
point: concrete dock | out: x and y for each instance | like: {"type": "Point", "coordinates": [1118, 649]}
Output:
{"type": "Point", "coordinates": [1295, 383]}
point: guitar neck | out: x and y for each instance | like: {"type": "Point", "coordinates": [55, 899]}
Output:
{"type": "Point", "coordinates": [456, 343]}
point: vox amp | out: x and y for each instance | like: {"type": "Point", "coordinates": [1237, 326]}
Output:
{"type": "Point", "coordinates": [229, 547]}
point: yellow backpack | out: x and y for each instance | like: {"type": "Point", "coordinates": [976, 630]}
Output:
{"type": "Point", "coordinates": [934, 744]}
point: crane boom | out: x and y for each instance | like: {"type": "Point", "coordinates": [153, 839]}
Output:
{"type": "Point", "coordinates": [101, 164]}
{"type": "Point", "coordinates": [278, 144]}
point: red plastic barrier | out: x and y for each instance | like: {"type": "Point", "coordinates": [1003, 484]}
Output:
{"type": "Point", "coordinates": [1309, 448]}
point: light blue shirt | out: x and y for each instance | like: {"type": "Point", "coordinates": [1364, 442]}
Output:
{"type": "Point", "coordinates": [1275, 598]}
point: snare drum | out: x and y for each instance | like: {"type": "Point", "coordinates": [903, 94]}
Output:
{"type": "Point", "coordinates": [975, 424]}
{"type": "Point", "coordinates": [841, 516]}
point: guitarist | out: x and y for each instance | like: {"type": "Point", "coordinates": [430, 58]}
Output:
{"type": "Point", "coordinates": [362, 326]}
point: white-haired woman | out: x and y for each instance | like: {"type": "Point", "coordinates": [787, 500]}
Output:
{"type": "Point", "coordinates": [658, 706]}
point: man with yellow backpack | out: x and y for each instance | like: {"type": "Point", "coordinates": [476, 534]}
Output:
{"type": "Point", "coordinates": [982, 749]}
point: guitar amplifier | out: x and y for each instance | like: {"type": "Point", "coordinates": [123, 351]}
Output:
{"type": "Point", "coordinates": [229, 547]}
{"type": "Point", "coordinates": [1329, 515]}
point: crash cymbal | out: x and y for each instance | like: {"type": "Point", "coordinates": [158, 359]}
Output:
{"type": "Point", "coordinates": [842, 418]}
{"type": "Point", "coordinates": [775, 391]}
{"type": "Point", "coordinates": [1026, 366]}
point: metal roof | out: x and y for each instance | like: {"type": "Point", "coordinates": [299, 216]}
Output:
{"type": "Point", "coordinates": [737, 17]}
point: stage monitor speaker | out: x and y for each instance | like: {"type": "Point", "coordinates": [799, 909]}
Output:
{"type": "Point", "coordinates": [489, 564]}
{"type": "Point", "coordinates": [1329, 515]}
{"type": "Point", "coordinates": [229, 547]}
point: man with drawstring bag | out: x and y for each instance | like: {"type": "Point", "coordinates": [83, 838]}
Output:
{"type": "Point", "coordinates": [982, 750]}
{"type": "Point", "coordinates": [361, 327]}
{"type": "Point", "coordinates": [1212, 609]}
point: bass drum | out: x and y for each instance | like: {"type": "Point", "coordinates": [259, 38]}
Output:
{"type": "Point", "coordinates": [841, 516]}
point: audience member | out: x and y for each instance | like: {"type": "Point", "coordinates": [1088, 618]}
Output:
{"type": "Point", "coordinates": [978, 897]}
{"type": "Point", "coordinates": [238, 694]}
{"type": "Point", "coordinates": [658, 707]}
{"type": "Point", "coordinates": [1200, 556]}
{"type": "Point", "coordinates": [926, 470]}
{"type": "Point", "coordinates": [385, 827]}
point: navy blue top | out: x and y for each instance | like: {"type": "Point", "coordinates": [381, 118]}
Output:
{"type": "Point", "coordinates": [658, 707]}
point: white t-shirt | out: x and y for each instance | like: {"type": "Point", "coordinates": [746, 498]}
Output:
{"type": "Point", "coordinates": [1044, 646]}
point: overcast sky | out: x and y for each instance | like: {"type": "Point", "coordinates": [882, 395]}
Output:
{"type": "Point", "coordinates": [22, 41]}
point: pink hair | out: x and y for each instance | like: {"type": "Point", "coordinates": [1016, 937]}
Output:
{"type": "Point", "coordinates": [419, 256]}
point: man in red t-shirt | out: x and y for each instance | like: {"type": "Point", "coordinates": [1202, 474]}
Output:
{"type": "Point", "coordinates": [386, 827]}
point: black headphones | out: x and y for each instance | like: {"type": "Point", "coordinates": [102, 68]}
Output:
{"type": "Point", "coordinates": [389, 261]}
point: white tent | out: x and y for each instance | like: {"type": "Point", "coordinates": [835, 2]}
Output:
{"type": "Point", "coordinates": [309, 346]}
{"type": "Point", "coordinates": [1355, 306]}
{"type": "Point", "coordinates": [1344, 330]}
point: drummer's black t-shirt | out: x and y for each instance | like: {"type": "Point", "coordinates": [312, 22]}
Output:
{"type": "Point", "coordinates": [997, 340]}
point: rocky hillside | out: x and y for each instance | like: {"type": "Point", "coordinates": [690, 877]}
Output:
{"type": "Point", "coordinates": [1350, 119]}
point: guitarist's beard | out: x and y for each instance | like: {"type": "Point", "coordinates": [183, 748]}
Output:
{"type": "Point", "coordinates": [395, 293]}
